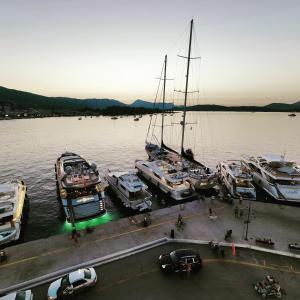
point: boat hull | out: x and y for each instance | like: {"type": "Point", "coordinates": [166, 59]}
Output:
{"type": "Point", "coordinates": [278, 192]}
{"type": "Point", "coordinates": [11, 233]}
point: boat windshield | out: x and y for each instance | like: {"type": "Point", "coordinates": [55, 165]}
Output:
{"type": "Point", "coordinates": [81, 192]}
{"type": "Point", "coordinates": [139, 195]}
{"type": "Point", "coordinates": [21, 295]}
{"type": "Point", "coordinates": [288, 182]}
{"type": "Point", "coordinates": [65, 282]}
{"type": "Point", "coordinates": [173, 256]}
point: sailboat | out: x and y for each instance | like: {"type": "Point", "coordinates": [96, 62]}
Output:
{"type": "Point", "coordinates": [200, 176]}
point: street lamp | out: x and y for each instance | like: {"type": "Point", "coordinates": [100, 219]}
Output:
{"type": "Point", "coordinates": [248, 220]}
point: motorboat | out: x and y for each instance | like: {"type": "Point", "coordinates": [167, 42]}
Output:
{"type": "Point", "coordinates": [236, 177]}
{"type": "Point", "coordinates": [79, 187]}
{"type": "Point", "coordinates": [170, 181]}
{"type": "Point", "coordinates": [276, 175]}
{"type": "Point", "coordinates": [12, 205]}
{"type": "Point", "coordinates": [130, 189]}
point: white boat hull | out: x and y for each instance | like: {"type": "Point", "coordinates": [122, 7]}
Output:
{"type": "Point", "coordinates": [279, 192]}
{"type": "Point", "coordinates": [175, 195]}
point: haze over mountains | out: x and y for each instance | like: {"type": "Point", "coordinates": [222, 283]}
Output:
{"type": "Point", "coordinates": [24, 100]}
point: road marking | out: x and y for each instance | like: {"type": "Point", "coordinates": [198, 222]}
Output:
{"type": "Point", "coordinates": [287, 269]}
{"type": "Point", "coordinates": [97, 240]}
{"type": "Point", "coordinates": [135, 276]}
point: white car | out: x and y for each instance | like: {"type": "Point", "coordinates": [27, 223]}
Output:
{"type": "Point", "coordinates": [72, 283]}
{"type": "Point", "coordinates": [20, 295]}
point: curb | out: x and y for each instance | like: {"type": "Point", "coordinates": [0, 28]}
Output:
{"type": "Point", "coordinates": [244, 246]}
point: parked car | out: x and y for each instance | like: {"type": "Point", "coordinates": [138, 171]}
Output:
{"type": "Point", "coordinates": [72, 283]}
{"type": "Point", "coordinates": [19, 295]}
{"type": "Point", "coordinates": [180, 260]}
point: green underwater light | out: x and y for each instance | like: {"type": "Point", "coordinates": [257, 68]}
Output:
{"type": "Point", "coordinates": [67, 227]}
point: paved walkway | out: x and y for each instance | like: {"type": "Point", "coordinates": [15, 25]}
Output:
{"type": "Point", "coordinates": [30, 260]}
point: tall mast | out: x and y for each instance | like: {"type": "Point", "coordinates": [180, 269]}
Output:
{"type": "Point", "coordinates": [163, 108]}
{"type": "Point", "coordinates": [186, 85]}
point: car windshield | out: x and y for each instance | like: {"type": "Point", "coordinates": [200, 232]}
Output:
{"type": "Point", "coordinates": [21, 295]}
{"type": "Point", "coordinates": [87, 274]}
{"type": "Point", "coordinates": [65, 282]}
{"type": "Point", "coordinates": [173, 256]}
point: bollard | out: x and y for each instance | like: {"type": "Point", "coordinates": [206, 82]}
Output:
{"type": "Point", "coordinates": [172, 234]}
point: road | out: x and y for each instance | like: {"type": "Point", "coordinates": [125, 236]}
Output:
{"type": "Point", "coordinates": [139, 277]}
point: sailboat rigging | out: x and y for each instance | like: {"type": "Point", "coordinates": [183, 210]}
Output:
{"type": "Point", "coordinates": [201, 177]}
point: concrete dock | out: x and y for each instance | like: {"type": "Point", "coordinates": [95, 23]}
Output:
{"type": "Point", "coordinates": [37, 258]}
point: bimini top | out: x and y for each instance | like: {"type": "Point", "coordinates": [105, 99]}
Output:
{"type": "Point", "coordinates": [74, 171]}
{"type": "Point", "coordinates": [129, 179]}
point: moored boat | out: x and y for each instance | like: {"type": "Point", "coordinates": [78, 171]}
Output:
{"type": "Point", "coordinates": [79, 187]}
{"type": "Point", "coordinates": [201, 177]}
{"type": "Point", "coordinates": [276, 175]}
{"type": "Point", "coordinates": [237, 179]}
{"type": "Point", "coordinates": [12, 203]}
{"type": "Point", "coordinates": [130, 189]}
{"type": "Point", "coordinates": [170, 181]}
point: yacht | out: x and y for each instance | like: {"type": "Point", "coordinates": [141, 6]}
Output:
{"type": "Point", "coordinates": [237, 179]}
{"type": "Point", "coordinates": [130, 189]}
{"type": "Point", "coordinates": [201, 177]}
{"type": "Point", "coordinates": [12, 204]}
{"type": "Point", "coordinates": [79, 187]}
{"type": "Point", "coordinates": [279, 177]}
{"type": "Point", "coordinates": [170, 181]}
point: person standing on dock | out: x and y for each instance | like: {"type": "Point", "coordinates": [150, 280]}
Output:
{"type": "Point", "coordinates": [236, 211]}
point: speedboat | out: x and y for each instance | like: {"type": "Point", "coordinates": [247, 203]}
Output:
{"type": "Point", "coordinates": [237, 179]}
{"type": "Point", "coordinates": [12, 203]}
{"type": "Point", "coordinates": [170, 181]}
{"type": "Point", "coordinates": [276, 175]}
{"type": "Point", "coordinates": [79, 187]}
{"type": "Point", "coordinates": [130, 189]}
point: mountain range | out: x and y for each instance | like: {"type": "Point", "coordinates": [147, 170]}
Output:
{"type": "Point", "coordinates": [19, 100]}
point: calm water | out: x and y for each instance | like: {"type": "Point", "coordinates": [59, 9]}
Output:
{"type": "Point", "coordinates": [30, 147]}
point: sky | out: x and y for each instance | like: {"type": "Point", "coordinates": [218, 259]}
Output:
{"type": "Point", "coordinates": [250, 50]}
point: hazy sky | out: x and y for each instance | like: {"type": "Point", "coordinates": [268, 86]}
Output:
{"type": "Point", "coordinates": [82, 48]}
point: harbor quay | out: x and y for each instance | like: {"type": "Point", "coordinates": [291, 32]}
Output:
{"type": "Point", "coordinates": [204, 219]}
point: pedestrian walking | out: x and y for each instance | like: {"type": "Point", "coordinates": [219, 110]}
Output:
{"type": "Point", "coordinates": [210, 212]}
{"type": "Point", "coordinates": [179, 222]}
{"type": "Point", "coordinates": [241, 212]}
{"type": "Point", "coordinates": [236, 211]}
{"type": "Point", "coordinates": [74, 235]}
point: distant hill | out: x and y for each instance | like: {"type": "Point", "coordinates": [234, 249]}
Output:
{"type": "Point", "coordinates": [150, 105]}
{"type": "Point", "coordinates": [283, 106]}
{"type": "Point", "coordinates": [23, 100]}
